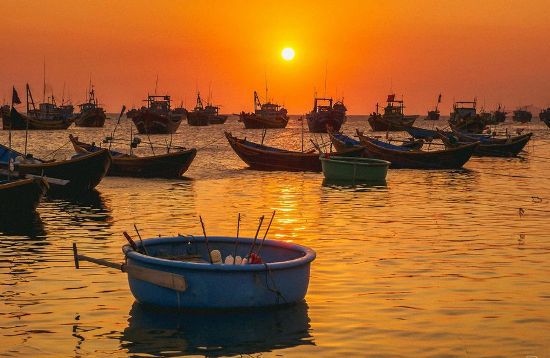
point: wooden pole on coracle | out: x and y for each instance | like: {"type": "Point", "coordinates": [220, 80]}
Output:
{"type": "Point", "coordinates": [266, 231]}
{"type": "Point", "coordinates": [206, 240]}
{"type": "Point", "coordinates": [255, 237]}
{"type": "Point", "coordinates": [237, 238]}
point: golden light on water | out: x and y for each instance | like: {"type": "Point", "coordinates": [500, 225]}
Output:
{"type": "Point", "coordinates": [288, 54]}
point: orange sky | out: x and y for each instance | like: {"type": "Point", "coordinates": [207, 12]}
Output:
{"type": "Point", "coordinates": [497, 50]}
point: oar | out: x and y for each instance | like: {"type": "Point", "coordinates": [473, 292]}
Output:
{"type": "Point", "coordinates": [255, 237]}
{"type": "Point", "coordinates": [265, 235]}
{"type": "Point", "coordinates": [237, 239]}
{"type": "Point", "coordinates": [160, 278]}
{"type": "Point", "coordinates": [130, 241]}
{"type": "Point", "coordinates": [206, 240]}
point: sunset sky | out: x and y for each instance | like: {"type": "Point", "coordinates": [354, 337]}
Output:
{"type": "Point", "coordinates": [497, 50]}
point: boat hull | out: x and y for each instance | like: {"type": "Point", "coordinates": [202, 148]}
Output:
{"type": "Point", "coordinates": [170, 165]}
{"type": "Point", "coordinates": [381, 124]}
{"type": "Point", "coordinates": [253, 121]}
{"type": "Point", "coordinates": [94, 118]}
{"type": "Point", "coordinates": [491, 147]}
{"type": "Point", "coordinates": [20, 121]}
{"type": "Point", "coordinates": [453, 158]}
{"type": "Point", "coordinates": [325, 122]}
{"type": "Point", "coordinates": [197, 119]}
{"type": "Point", "coordinates": [354, 169]}
{"type": "Point", "coordinates": [265, 158]}
{"type": "Point", "coordinates": [148, 122]}
{"type": "Point", "coordinates": [283, 279]}
{"type": "Point", "coordinates": [84, 172]}
{"type": "Point", "coordinates": [21, 196]}
{"type": "Point", "coordinates": [433, 116]}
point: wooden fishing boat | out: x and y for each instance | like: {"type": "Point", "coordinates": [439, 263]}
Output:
{"type": "Point", "coordinates": [158, 117]}
{"type": "Point", "coordinates": [489, 146]}
{"type": "Point", "coordinates": [464, 116]}
{"type": "Point", "coordinates": [203, 116]}
{"type": "Point", "coordinates": [433, 115]}
{"type": "Point", "coordinates": [176, 272]}
{"type": "Point", "coordinates": [499, 116]}
{"type": "Point", "coordinates": [83, 172]}
{"type": "Point", "coordinates": [91, 114]}
{"type": "Point", "coordinates": [522, 115]}
{"type": "Point", "coordinates": [169, 165]}
{"type": "Point", "coordinates": [48, 116]}
{"type": "Point", "coordinates": [400, 158]}
{"type": "Point", "coordinates": [422, 133]}
{"type": "Point", "coordinates": [19, 196]}
{"type": "Point", "coordinates": [262, 157]}
{"type": "Point", "coordinates": [343, 143]}
{"type": "Point", "coordinates": [266, 115]}
{"type": "Point", "coordinates": [326, 116]}
{"type": "Point", "coordinates": [393, 118]}
{"type": "Point", "coordinates": [354, 169]}
{"type": "Point", "coordinates": [544, 116]}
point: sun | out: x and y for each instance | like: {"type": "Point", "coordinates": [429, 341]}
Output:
{"type": "Point", "coordinates": [288, 54]}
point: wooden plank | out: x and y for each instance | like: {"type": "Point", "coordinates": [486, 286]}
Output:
{"type": "Point", "coordinates": [160, 278]}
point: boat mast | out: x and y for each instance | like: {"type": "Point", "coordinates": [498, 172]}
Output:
{"type": "Point", "coordinates": [44, 83]}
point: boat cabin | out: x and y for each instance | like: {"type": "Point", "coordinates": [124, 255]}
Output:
{"type": "Point", "coordinates": [464, 109]}
{"type": "Point", "coordinates": [158, 103]}
{"type": "Point", "coordinates": [322, 105]}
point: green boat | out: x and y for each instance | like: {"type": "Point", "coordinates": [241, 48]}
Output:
{"type": "Point", "coordinates": [354, 169]}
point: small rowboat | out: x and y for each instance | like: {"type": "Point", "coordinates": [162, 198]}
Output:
{"type": "Point", "coordinates": [77, 175]}
{"type": "Point", "coordinates": [354, 169]}
{"type": "Point", "coordinates": [453, 158]}
{"type": "Point", "coordinates": [21, 196]}
{"type": "Point", "coordinates": [343, 143]}
{"type": "Point", "coordinates": [422, 133]}
{"type": "Point", "coordinates": [169, 165]}
{"type": "Point", "coordinates": [488, 146]}
{"type": "Point", "coordinates": [166, 277]}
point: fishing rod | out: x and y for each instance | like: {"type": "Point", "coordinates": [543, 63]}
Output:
{"type": "Point", "coordinates": [265, 235]}
{"type": "Point", "coordinates": [117, 123]}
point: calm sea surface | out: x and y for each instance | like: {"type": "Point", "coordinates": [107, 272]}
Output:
{"type": "Point", "coordinates": [436, 263]}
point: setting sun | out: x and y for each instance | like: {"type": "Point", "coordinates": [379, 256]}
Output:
{"type": "Point", "coordinates": [287, 54]}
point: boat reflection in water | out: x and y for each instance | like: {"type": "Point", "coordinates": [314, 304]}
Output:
{"type": "Point", "coordinates": [30, 225]}
{"type": "Point", "coordinates": [164, 333]}
{"type": "Point", "coordinates": [357, 185]}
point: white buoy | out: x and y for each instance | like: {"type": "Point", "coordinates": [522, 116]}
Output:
{"type": "Point", "coordinates": [245, 261]}
{"type": "Point", "coordinates": [229, 260]}
{"type": "Point", "coordinates": [238, 260]}
{"type": "Point", "coordinates": [216, 256]}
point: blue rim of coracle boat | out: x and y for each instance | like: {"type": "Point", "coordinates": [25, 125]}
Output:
{"type": "Point", "coordinates": [308, 254]}
{"type": "Point", "coordinates": [354, 161]}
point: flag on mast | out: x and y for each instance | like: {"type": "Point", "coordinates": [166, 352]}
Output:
{"type": "Point", "coordinates": [391, 98]}
{"type": "Point", "coordinates": [439, 98]}
{"type": "Point", "coordinates": [15, 97]}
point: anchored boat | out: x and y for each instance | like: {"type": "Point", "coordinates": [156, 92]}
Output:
{"type": "Point", "coordinates": [434, 114]}
{"type": "Point", "coordinates": [544, 116]}
{"type": "Point", "coordinates": [326, 116]}
{"type": "Point", "coordinates": [464, 116]}
{"type": "Point", "coordinates": [168, 165]}
{"type": "Point", "coordinates": [401, 158]}
{"type": "Point", "coordinates": [203, 116]}
{"type": "Point", "coordinates": [522, 115]}
{"type": "Point", "coordinates": [48, 116]}
{"type": "Point", "coordinates": [21, 196]}
{"type": "Point", "coordinates": [266, 115]}
{"type": "Point", "coordinates": [158, 117]}
{"type": "Point", "coordinates": [91, 114]}
{"type": "Point", "coordinates": [354, 169]}
{"type": "Point", "coordinates": [177, 272]}
{"type": "Point", "coordinates": [393, 118]}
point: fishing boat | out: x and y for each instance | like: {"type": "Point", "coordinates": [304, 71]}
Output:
{"type": "Point", "coordinates": [48, 116]}
{"type": "Point", "coordinates": [79, 174]}
{"type": "Point", "coordinates": [266, 115]}
{"type": "Point", "coordinates": [544, 116]}
{"type": "Point", "coordinates": [177, 272]}
{"type": "Point", "coordinates": [91, 114]}
{"type": "Point", "coordinates": [489, 146]}
{"type": "Point", "coordinates": [464, 116]}
{"type": "Point", "coordinates": [262, 157]}
{"type": "Point", "coordinates": [522, 115]}
{"type": "Point", "coordinates": [158, 117]}
{"type": "Point", "coordinates": [354, 169]}
{"type": "Point", "coordinates": [499, 116]}
{"type": "Point", "coordinates": [168, 165]}
{"type": "Point", "coordinates": [203, 116]}
{"type": "Point", "coordinates": [326, 116]}
{"type": "Point", "coordinates": [422, 133]}
{"type": "Point", "coordinates": [21, 195]}
{"type": "Point", "coordinates": [434, 114]}
{"type": "Point", "coordinates": [393, 118]}
{"type": "Point", "coordinates": [343, 143]}
{"type": "Point", "coordinates": [401, 158]}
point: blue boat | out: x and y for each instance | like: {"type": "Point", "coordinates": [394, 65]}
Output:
{"type": "Point", "coordinates": [282, 278]}
{"type": "Point", "coordinates": [421, 133]}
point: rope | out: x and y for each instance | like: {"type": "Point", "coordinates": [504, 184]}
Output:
{"type": "Point", "coordinates": [275, 290]}
{"type": "Point", "coordinates": [55, 151]}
